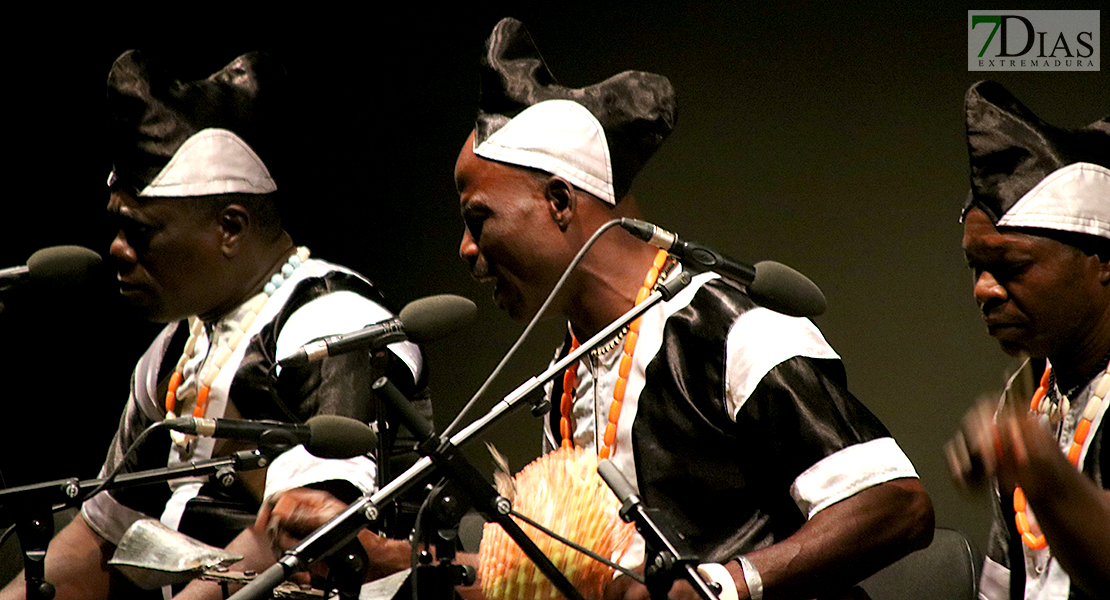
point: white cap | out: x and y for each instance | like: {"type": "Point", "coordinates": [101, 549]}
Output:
{"type": "Point", "coordinates": [560, 137]}
{"type": "Point", "coordinates": [1074, 198]}
{"type": "Point", "coordinates": [211, 161]}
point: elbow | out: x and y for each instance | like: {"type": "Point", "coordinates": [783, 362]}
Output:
{"type": "Point", "coordinates": [917, 518]}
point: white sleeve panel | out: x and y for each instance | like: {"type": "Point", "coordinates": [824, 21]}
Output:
{"type": "Point", "coordinates": [298, 468]}
{"type": "Point", "coordinates": [994, 583]}
{"type": "Point", "coordinates": [336, 313]}
{"type": "Point", "coordinates": [109, 518]}
{"type": "Point", "coordinates": [848, 472]}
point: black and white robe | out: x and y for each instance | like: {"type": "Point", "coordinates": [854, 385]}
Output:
{"type": "Point", "coordinates": [318, 299]}
{"type": "Point", "coordinates": [736, 420]}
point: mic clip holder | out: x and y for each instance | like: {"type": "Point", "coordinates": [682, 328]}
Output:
{"type": "Point", "coordinates": [667, 554]}
{"type": "Point", "coordinates": [277, 441]}
{"type": "Point", "coordinates": [436, 575]}
{"type": "Point", "coordinates": [472, 489]}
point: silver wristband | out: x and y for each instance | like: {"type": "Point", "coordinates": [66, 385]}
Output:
{"type": "Point", "coordinates": [751, 578]}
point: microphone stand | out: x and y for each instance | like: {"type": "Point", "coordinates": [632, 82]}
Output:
{"type": "Point", "coordinates": [30, 507]}
{"type": "Point", "coordinates": [668, 554]}
{"type": "Point", "coordinates": [345, 526]}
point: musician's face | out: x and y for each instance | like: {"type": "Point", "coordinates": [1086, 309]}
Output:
{"type": "Point", "coordinates": [164, 248]}
{"type": "Point", "coordinates": [510, 239]}
{"type": "Point", "coordinates": [1038, 296]}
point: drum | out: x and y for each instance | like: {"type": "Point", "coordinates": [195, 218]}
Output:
{"type": "Point", "coordinates": [562, 491]}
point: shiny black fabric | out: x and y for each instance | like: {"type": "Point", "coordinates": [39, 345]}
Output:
{"type": "Point", "coordinates": [637, 110]}
{"type": "Point", "coordinates": [727, 483]}
{"type": "Point", "coordinates": [152, 112]}
{"type": "Point", "coordinates": [1012, 150]}
{"type": "Point", "coordinates": [338, 385]}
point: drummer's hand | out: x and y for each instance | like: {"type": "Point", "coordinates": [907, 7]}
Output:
{"type": "Point", "coordinates": [624, 588]}
{"type": "Point", "coordinates": [973, 453]}
{"type": "Point", "coordinates": [291, 515]}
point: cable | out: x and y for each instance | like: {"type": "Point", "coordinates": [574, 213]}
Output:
{"type": "Point", "coordinates": [123, 461]}
{"type": "Point", "coordinates": [531, 325]}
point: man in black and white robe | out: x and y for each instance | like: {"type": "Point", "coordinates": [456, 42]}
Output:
{"type": "Point", "coordinates": [735, 419]}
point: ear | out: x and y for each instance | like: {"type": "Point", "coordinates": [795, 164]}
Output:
{"type": "Point", "coordinates": [562, 201]}
{"type": "Point", "coordinates": [1103, 270]}
{"type": "Point", "coordinates": [233, 221]}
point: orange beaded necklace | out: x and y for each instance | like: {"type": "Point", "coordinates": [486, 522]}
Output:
{"type": "Point", "coordinates": [570, 376]}
{"type": "Point", "coordinates": [1042, 405]}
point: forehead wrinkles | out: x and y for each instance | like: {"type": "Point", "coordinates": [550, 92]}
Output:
{"type": "Point", "coordinates": [999, 251]}
{"type": "Point", "coordinates": [496, 187]}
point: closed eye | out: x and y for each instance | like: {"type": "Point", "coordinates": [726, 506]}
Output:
{"type": "Point", "coordinates": [137, 233]}
{"type": "Point", "coordinates": [1001, 271]}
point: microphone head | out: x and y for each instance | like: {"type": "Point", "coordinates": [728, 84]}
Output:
{"type": "Point", "coordinates": [333, 436]}
{"type": "Point", "coordinates": [435, 317]}
{"type": "Point", "coordinates": [782, 289]}
{"type": "Point", "coordinates": [62, 265]}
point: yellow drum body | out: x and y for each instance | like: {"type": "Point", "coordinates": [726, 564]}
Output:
{"type": "Point", "coordinates": [562, 491]}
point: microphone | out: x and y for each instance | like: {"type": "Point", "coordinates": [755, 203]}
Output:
{"type": "Point", "coordinates": [770, 284]}
{"type": "Point", "coordinates": [57, 265]}
{"type": "Point", "coordinates": [784, 290]}
{"type": "Point", "coordinates": [325, 436]}
{"type": "Point", "coordinates": [420, 321]}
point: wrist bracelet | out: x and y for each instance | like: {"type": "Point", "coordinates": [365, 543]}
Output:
{"type": "Point", "coordinates": [752, 578]}
{"type": "Point", "coordinates": [717, 573]}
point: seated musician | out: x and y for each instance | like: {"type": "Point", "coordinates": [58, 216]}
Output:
{"type": "Point", "coordinates": [734, 418]}
{"type": "Point", "coordinates": [200, 246]}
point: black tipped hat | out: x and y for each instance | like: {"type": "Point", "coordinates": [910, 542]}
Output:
{"type": "Point", "coordinates": [598, 137]}
{"type": "Point", "coordinates": [1027, 173]}
{"type": "Point", "coordinates": [189, 138]}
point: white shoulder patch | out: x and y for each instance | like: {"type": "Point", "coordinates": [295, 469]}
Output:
{"type": "Point", "coordinates": [761, 339]}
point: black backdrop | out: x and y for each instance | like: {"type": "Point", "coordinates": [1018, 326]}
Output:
{"type": "Point", "coordinates": [827, 138]}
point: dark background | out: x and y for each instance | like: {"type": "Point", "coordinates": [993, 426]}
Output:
{"type": "Point", "coordinates": [828, 138]}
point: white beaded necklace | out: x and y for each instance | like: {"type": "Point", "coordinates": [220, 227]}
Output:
{"type": "Point", "coordinates": [225, 347]}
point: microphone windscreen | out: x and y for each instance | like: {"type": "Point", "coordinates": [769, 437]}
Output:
{"type": "Point", "coordinates": [333, 436]}
{"type": "Point", "coordinates": [62, 265]}
{"type": "Point", "coordinates": [435, 317]}
{"type": "Point", "coordinates": [782, 289]}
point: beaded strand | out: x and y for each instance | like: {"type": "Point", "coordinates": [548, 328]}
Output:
{"type": "Point", "coordinates": [226, 346]}
{"type": "Point", "coordinates": [1041, 405]}
{"type": "Point", "coordinates": [570, 376]}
